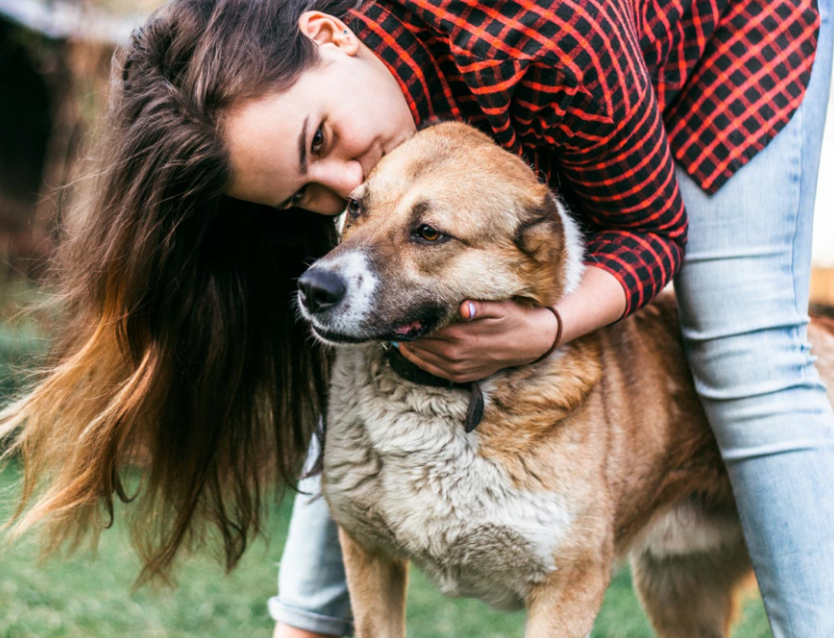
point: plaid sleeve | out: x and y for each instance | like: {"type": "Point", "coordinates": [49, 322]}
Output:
{"type": "Point", "coordinates": [610, 150]}
{"type": "Point", "coordinates": [563, 82]}
{"type": "Point", "coordinates": [629, 193]}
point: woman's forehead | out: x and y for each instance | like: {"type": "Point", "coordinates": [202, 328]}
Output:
{"type": "Point", "coordinates": [262, 139]}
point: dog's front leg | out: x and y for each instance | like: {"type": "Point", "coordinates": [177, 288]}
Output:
{"type": "Point", "coordinates": [566, 604]}
{"type": "Point", "coordinates": [377, 590]}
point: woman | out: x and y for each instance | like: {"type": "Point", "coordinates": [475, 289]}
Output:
{"type": "Point", "coordinates": [743, 289]}
{"type": "Point", "coordinates": [180, 351]}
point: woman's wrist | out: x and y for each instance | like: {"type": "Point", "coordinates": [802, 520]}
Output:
{"type": "Point", "coordinates": [556, 341]}
{"type": "Point", "coordinates": [598, 301]}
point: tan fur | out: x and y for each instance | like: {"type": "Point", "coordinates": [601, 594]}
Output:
{"type": "Point", "coordinates": [371, 575]}
{"type": "Point", "coordinates": [612, 421]}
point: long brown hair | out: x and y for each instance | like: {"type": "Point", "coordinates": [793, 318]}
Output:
{"type": "Point", "coordinates": [179, 351]}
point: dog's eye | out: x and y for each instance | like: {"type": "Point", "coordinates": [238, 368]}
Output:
{"type": "Point", "coordinates": [354, 207]}
{"type": "Point", "coordinates": [428, 233]}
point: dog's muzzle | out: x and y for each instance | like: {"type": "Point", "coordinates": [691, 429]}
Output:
{"type": "Point", "coordinates": [325, 296]}
{"type": "Point", "coordinates": [338, 295]}
{"type": "Point", "coordinates": [320, 290]}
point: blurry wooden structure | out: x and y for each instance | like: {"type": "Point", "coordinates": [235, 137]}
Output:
{"type": "Point", "coordinates": [54, 71]}
{"type": "Point", "coordinates": [822, 287]}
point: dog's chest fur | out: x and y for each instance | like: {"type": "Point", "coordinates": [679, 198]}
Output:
{"type": "Point", "coordinates": [401, 473]}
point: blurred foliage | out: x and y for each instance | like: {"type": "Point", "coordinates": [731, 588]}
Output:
{"type": "Point", "coordinates": [22, 337]}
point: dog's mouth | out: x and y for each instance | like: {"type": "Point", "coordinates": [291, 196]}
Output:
{"type": "Point", "coordinates": [408, 329]}
{"type": "Point", "coordinates": [415, 329]}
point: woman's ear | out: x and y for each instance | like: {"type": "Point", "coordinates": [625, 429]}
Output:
{"type": "Point", "coordinates": [325, 29]}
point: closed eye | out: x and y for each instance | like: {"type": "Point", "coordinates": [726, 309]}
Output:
{"type": "Point", "coordinates": [296, 199]}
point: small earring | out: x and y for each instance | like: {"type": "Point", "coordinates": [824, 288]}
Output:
{"type": "Point", "coordinates": [345, 31]}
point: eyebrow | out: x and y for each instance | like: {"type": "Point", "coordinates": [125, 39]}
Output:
{"type": "Point", "coordinates": [302, 158]}
{"type": "Point", "coordinates": [302, 146]}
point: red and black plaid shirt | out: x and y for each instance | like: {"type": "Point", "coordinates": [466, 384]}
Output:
{"type": "Point", "coordinates": [595, 93]}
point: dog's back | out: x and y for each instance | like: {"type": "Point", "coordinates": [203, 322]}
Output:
{"type": "Point", "coordinates": [688, 564]}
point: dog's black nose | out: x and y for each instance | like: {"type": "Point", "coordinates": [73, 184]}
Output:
{"type": "Point", "coordinates": [320, 289]}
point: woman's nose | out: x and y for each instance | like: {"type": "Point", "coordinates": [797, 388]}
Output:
{"type": "Point", "coordinates": [340, 176]}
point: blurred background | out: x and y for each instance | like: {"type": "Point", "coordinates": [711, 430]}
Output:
{"type": "Point", "coordinates": [54, 59]}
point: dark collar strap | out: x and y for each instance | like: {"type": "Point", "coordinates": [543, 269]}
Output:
{"type": "Point", "coordinates": [410, 372]}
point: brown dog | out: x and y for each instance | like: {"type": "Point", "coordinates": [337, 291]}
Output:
{"type": "Point", "coordinates": [598, 452]}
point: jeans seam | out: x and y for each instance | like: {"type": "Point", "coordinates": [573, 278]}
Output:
{"type": "Point", "coordinates": [801, 314]}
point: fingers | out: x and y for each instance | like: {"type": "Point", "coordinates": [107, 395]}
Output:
{"type": "Point", "coordinates": [457, 371]}
{"type": "Point", "coordinates": [457, 352]}
{"type": "Point", "coordinates": [421, 362]}
{"type": "Point", "coordinates": [470, 310]}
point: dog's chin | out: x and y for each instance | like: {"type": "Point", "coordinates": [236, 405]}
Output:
{"type": "Point", "coordinates": [408, 329]}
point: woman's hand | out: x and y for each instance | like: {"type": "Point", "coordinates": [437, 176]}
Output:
{"type": "Point", "coordinates": [490, 336]}
{"type": "Point", "coordinates": [501, 334]}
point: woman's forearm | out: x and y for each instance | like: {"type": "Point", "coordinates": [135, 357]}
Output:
{"type": "Point", "coordinates": [598, 301]}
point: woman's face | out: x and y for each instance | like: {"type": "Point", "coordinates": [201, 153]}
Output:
{"type": "Point", "coordinates": [312, 144]}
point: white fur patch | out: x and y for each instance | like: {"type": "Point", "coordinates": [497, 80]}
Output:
{"type": "Point", "coordinates": [362, 284]}
{"type": "Point", "coordinates": [574, 247]}
{"type": "Point", "coordinates": [401, 473]}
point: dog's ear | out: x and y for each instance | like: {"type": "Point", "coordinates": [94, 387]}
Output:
{"type": "Point", "coordinates": [541, 239]}
{"type": "Point", "coordinates": [540, 236]}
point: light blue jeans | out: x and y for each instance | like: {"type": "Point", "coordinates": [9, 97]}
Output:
{"type": "Point", "coordinates": [312, 590]}
{"type": "Point", "coordinates": [743, 295]}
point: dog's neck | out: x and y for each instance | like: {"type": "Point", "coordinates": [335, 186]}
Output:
{"type": "Point", "coordinates": [410, 372]}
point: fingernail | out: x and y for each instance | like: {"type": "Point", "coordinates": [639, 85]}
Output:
{"type": "Point", "coordinates": [471, 310]}
{"type": "Point", "coordinates": [395, 344]}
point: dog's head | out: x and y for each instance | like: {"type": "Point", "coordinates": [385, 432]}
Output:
{"type": "Point", "coordinates": [447, 216]}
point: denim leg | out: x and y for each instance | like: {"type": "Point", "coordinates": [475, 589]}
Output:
{"type": "Point", "coordinates": [312, 590]}
{"type": "Point", "coordinates": [743, 296]}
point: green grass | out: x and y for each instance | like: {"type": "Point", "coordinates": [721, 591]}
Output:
{"type": "Point", "coordinates": [89, 597]}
